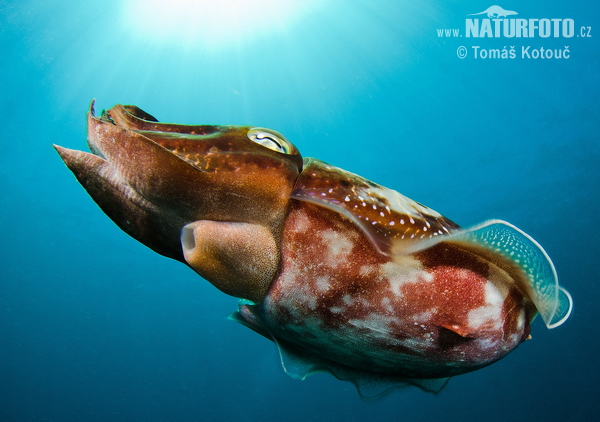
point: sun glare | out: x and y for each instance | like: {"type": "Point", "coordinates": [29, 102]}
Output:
{"type": "Point", "coordinates": [210, 22]}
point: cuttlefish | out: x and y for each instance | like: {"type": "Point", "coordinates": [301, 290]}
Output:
{"type": "Point", "coordinates": [344, 275]}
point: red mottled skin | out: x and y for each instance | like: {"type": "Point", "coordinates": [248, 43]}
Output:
{"type": "Point", "coordinates": [335, 297]}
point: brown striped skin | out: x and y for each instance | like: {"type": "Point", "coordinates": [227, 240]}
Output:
{"type": "Point", "coordinates": [153, 178]}
{"type": "Point", "coordinates": [390, 219]}
{"type": "Point", "coordinates": [205, 172]}
{"type": "Point", "coordinates": [334, 263]}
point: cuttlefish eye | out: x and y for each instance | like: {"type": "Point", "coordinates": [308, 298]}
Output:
{"type": "Point", "coordinates": [270, 139]}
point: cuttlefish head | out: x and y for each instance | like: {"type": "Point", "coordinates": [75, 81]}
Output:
{"type": "Point", "coordinates": [152, 178]}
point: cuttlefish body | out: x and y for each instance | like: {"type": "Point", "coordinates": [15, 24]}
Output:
{"type": "Point", "coordinates": [344, 275]}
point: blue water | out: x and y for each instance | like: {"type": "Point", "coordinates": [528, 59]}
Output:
{"type": "Point", "coordinates": [96, 327]}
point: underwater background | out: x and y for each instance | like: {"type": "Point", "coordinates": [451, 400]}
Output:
{"type": "Point", "coordinates": [96, 327]}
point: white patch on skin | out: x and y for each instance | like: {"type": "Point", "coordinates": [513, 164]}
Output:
{"type": "Point", "coordinates": [513, 339]}
{"type": "Point", "coordinates": [322, 284]}
{"type": "Point", "coordinates": [311, 301]}
{"type": "Point", "coordinates": [486, 343]}
{"type": "Point", "coordinates": [301, 222]}
{"type": "Point", "coordinates": [377, 325]}
{"type": "Point", "coordinates": [424, 317]}
{"type": "Point", "coordinates": [401, 203]}
{"type": "Point", "coordinates": [370, 324]}
{"type": "Point", "coordinates": [521, 320]}
{"type": "Point", "coordinates": [288, 277]}
{"type": "Point", "coordinates": [491, 313]}
{"type": "Point", "coordinates": [298, 293]}
{"type": "Point", "coordinates": [339, 246]}
{"type": "Point", "coordinates": [418, 345]}
{"type": "Point", "coordinates": [367, 270]}
{"type": "Point", "coordinates": [348, 300]}
{"type": "Point", "coordinates": [402, 270]}
{"type": "Point", "coordinates": [387, 304]}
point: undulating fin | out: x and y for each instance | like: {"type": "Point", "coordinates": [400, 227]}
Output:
{"type": "Point", "coordinates": [300, 363]}
{"type": "Point", "coordinates": [522, 257]}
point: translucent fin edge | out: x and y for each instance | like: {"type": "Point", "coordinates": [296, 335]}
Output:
{"type": "Point", "coordinates": [563, 303]}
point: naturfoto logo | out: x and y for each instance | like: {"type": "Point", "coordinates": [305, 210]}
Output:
{"type": "Point", "coordinates": [498, 23]}
{"type": "Point", "coordinates": [495, 12]}
{"type": "Point", "coordinates": [494, 27]}
{"type": "Point", "coordinates": [503, 23]}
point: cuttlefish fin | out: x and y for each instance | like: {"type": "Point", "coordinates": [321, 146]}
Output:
{"type": "Point", "coordinates": [519, 255]}
{"type": "Point", "coordinates": [300, 363]}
